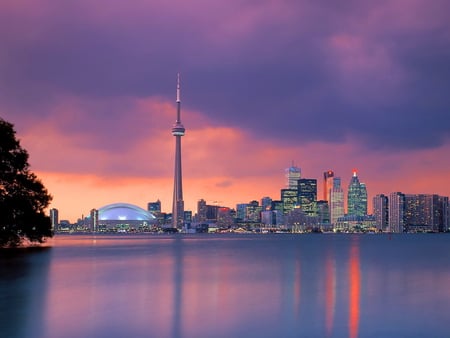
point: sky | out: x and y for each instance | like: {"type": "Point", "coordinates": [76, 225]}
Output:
{"type": "Point", "coordinates": [90, 86]}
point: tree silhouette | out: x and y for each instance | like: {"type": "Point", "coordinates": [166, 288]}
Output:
{"type": "Point", "coordinates": [23, 198]}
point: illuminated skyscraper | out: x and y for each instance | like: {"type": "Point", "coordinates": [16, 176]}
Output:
{"type": "Point", "coordinates": [357, 197]}
{"type": "Point", "coordinates": [327, 184]}
{"type": "Point", "coordinates": [307, 195]}
{"type": "Point", "coordinates": [178, 203]}
{"type": "Point", "coordinates": [336, 201]}
{"type": "Point", "coordinates": [292, 174]}
{"type": "Point", "coordinates": [396, 212]}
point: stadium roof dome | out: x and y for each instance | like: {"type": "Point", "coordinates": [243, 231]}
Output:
{"type": "Point", "coordinates": [124, 212]}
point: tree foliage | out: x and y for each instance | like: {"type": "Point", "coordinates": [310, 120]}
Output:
{"type": "Point", "coordinates": [23, 197]}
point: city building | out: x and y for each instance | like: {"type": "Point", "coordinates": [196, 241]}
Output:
{"type": "Point", "coordinates": [396, 212]}
{"type": "Point", "coordinates": [154, 207]}
{"type": "Point", "coordinates": [323, 213]}
{"type": "Point", "coordinates": [381, 212]}
{"type": "Point", "coordinates": [178, 202]}
{"type": "Point", "coordinates": [201, 211]}
{"type": "Point", "coordinates": [356, 197]}
{"type": "Point", "coordinates": [425, 213]}
{"type": "Point", "coordinates": [327, 184]}
{"type": "Point", "coordinates": [54, 218]}
{"type": "Point", "coordinates": [266, 203]}
{"type": "Point", "coordinates": [292, 175]}
{"type": "Point", "coordinates": [289, 198]}
{"type": "Point", "coordinates": [307, 195]}
{"type": "Point", "coordinates": [336, 203]}
{"type": "Point", "coordinates": [93, 220]}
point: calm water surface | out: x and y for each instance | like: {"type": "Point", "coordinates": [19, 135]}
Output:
{"type": "Point", "coordinates": [228, 286]}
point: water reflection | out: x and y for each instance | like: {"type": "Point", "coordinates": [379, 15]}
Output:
{"type": "Point", "coordinates": [228, 286]}
{"type": "Point", "coordinates": [23, 290]}
{"type": "Point", "coordinates": [355, 280]}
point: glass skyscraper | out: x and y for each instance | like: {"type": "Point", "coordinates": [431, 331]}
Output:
{"type": "Point", "coordinates": [307, 195]}
{"type": "Point", "coordinates": [292, 174]}
{"type": "Point", "coordinates": [336, 201]}
{"type": "Point", "coordinates": [356, 197]}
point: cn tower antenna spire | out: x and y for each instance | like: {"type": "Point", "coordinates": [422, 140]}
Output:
{"type": "Point", "coordinates": [178, 87]}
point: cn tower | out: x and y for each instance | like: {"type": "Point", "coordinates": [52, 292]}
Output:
{"type": "Point", "coordinates": [178, 131]}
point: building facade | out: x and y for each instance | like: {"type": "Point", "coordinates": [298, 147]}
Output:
{"type": "Point", "coordinates": [356, 197]}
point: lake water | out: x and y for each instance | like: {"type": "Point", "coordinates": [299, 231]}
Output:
{"type": "Point", "coordinates": [277, 285]}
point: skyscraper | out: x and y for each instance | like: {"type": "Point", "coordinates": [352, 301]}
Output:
{"type": "Point", "coordinates": [381, 211]}
{"type": "Point", "coordinates": [357, 197]}
{"type": "Point", "coordinates": [292, 174]}
{"type": "Point", "coordinates": [307, 195]}
{"type": "Point", "coordinates": [396, 212]}
{"type": "Point", "coordinates": [178, 131]}
{"type": "Point", "coordinates": [327, 184]}
{"type": "Point", "coordinates": [336, 201]}
{"type": "Point", "coordinates": [54, 218]}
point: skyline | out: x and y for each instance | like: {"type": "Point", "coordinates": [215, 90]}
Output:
{"type": "Point", "coordinates": [88, 86]}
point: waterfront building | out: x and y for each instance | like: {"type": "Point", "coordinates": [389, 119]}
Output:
{"type": "Point", "coordinates": [327, 184]}
{"type": "Point", "coordinates": [178, 202]}
{"type": "Point", "coordinates": [353, 223]}
{"type": "Point", "coordinates": [224, 217]}
{"type": "Point", "coordinates": [289, 198]}
{"type": "Point", "coordinates": [323, 212]}
{"type": "Point", "coordinates": [396, 212]}
{"type": "Point", "coordinates": [268, 218]}
{"type": "Point", "coordinates": [54, 218]}
{"type": "Point", "coordinates": [122, 217]}
{"type": "Point", "coordinates": [266, 203]}
{"type": "Point", "coordinates": [381, 211]}
{"type": "Point", "coordinates": [277, 208]}
{"type": "Point", "coordinates": [425, 212]}
{"type": "Point", "coordinates": [93, 220]}
{"type": "Point", "coordinates": [307, 195]}
{"type": "Point", "coordinates": [154, 207]}
{"type": "Point", "coordinates": [253, 212]}
{"type": "Point", "coordinates": [336, 204]}
{"type": "Point", "coordinates": [241, 212]}
{"type": "Point", "coordinates": [201, 211]}
{"type": "Point", "coordinates": [292, 175]}
{"type": "Point", "coordinates": [356, 197]}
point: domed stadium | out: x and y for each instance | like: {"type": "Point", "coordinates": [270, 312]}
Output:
{"type": "Point", "coordinates": [124, 216]}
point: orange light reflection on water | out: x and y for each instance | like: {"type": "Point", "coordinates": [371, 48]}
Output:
{"type": "Point", "coordinates": [355, 285]}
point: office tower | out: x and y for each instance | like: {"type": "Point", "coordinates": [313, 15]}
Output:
{"type": "Point", "coordinates": [253, 212]}
{"type": "Point", "coordinates": [327, 184]}
{"type": "Point", "coordinates": [292, 174]}
{"type": "Point", "coordinates": [178, 131]}
{"type": "Point", "coordinates": [94, 220]}
{"type": "Point", "coordinates": [336, 201]}
{"type": "Point", "coordinates": [424, 212]}
{"type": "Point", "coordinates": [241, 210]}
{"type": "Point", "coordinates": [154, 207]}
{"type": "Point", "coordinates": [224, 217]}
{"type": "Point", "coordinates": [277, 208]}
{"type": "Point", "coordinates": [357, 197]}
{"type": "Point", "coordinates": [381, 211]}
{"type": "Point", "coordinates": [307, 195]}
{"type": "Point", "coordinates": [289, 199]}
{"type": "Point", "coordinates": [323, 212]}
{"type": "Point", "coordinates": [266, 203]}
{"type": "Point", "coordinates": [54, 218]}
{"type": "Point", "coordinates": [396, 212]}
{"type": "Point", "coordinates": [201, 211]}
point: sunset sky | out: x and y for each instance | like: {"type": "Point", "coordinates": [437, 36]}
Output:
{"type": "Point", "coordinates": [90, 88]}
